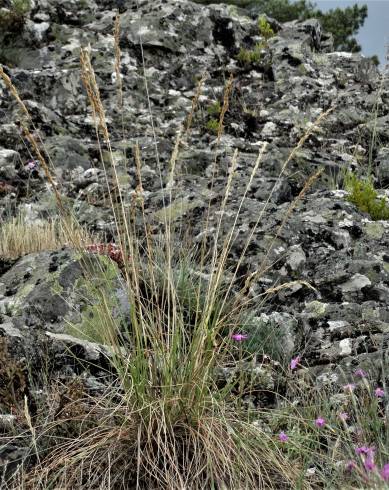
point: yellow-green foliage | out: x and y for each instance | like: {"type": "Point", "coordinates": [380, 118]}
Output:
{"type": "Point", "coordinates": [98, 322]}
{"type": "Point", "coordinates": [21, 7]}
{"type": "Point", "coordinates": [265, 28]}
{"type": "Point", "coordinates": [215, 109]}
{"type": "Point", "coordinates": [213, 125]}
{"type": "Point", "coordinates": [365, 197]}
{"type": "Point", "coordinates": [13, 18]}
{"type": "Point", "coordinates": [250, 56]}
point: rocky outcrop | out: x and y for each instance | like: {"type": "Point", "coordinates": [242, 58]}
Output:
{"type": "Point", "coordinates": [166, 47]}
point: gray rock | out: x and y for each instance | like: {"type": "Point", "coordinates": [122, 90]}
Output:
{"type": "Point", "coordinates": [8, 162]}
{"type": "Point", "coordinates": [330, 259]}
{"type": "Point", "coordinates": [49, 290]}
{"type": "Point", "coordinates": [356, 283]}
{"type": "Point", "coordinates": [7, 421]}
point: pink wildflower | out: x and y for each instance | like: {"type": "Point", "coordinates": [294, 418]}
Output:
{"type": "Point", "coordinates": [379, 392]}
{"type": "Point", "coordinates": [32, 165]}
{"type": "Point", "coordinates": [368, 451]}
{"type": "Point", "coordinates": [385, 472]}
{"type": "Point", "coordinates": [360, 373]}
{"type": "Point", "coordinates": [369, 464]}
{"type": "Point", "coordinates": [349, 387]}
{"type": "Point", "coordinates": [344, 416]}
{"type": "Point", "coordinates": [283, 437]}
{"type": "Point", "coordinates": [238, 337]}
{"type": "Point", "coordinates": [320, 422]}
{"type": "Point", "coordinates": [295, 362]}
{"type": "Point", "coordinates": [351, 465]}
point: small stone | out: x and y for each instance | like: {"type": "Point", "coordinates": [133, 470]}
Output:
{"type": "Point", "coordinates": [374, 230]}
{"type": "Point", "coordinates": [345, 346]}
{"type": "Point", "coordinates": [356, 283]}
{"type": "Point", "coordinates": [297, 258]}
{"type": "Point", "coordinates": [7, 421]}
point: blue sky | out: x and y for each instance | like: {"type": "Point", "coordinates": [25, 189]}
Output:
{"type": "Point", "coordinates": [374, 35]}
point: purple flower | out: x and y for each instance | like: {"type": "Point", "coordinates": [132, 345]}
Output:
{"type": "Point", "coordinates": [238, 337]}
{"type": "Point", "coordinates": [379, 392]}
{"type": "Point", "coordinates": [362, 450]}
{"type": "Point", "coordinates": [351, 465]}
{"type": "Point", "coordinates": [360, 373]}
{"type": "Point", "coordinates": [320, 422]}
{"type": "Point", "coordinates": [344, 416]}
{"type": "Point", "coordinates": [32, 165]}
{"type": "Point", "coordinates": [295, 362]}
{"type": "Point", "coordinates": [369, 464]}
{"type": "Point", "coordinates": [349, 387]}
{"type": "Point", "coordinates": [385, 472]}
{"type": "Point", "coordinates": [368, 451]}
{"type": "Point", "coordinates": [283, 437]}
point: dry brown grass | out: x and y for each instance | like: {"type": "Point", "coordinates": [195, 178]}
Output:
{"type": "Point", "coordinates": [104, 442]}
{"type": "Point", "coordinates": [19, 237]}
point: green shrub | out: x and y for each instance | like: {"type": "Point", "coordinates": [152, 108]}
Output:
{"type": "Point", "coordinates": [365, 197]}
{"type": "Point", "coordinates": [21, 7]}
{"type": "Point", "coordinates": [215, 109]}
{"type": "Point", "coordinates": [213, 125]}
{"type": "Point", "coordinates": [265, 28]}
{"type": "Point", "coordinates": [14, 18]}
{"type": "Point", "coordinates": [250, 56]}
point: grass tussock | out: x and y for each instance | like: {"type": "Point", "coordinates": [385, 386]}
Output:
{"type": "Point", "coordinates": [19, 237]}
{"type": "Point", "coordinates": [163, 421]}
{"type": "Point", "coordinates": [114, 446]}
